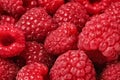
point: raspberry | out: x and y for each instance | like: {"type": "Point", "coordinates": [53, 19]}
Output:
{"type": "Point", "coordinates": [100, 38]}
{"type": "Point", "coordinates": [14, 7]}
{"type": "Point", "coordinates": [30, 3]}
{"type": "Point", "coordinates": [7, 19]}
{"type": "Point", "coordinates": [51, 5]}
{"type": "Point", "coordinates": [111, 72]}
{"type": "Point", "coordinates": [62, 39]}
{"type": "Point", "coordinates": [94, 6]}
{"type": "Point", "coordinates": [72, 65]}
{"type": "Point", "coordinates": [35, 52]}
{"type": "Point", "coordinates": [34, 71]}
{"type": "Point", "coordinates": [71, 12]}
{"type": "Point", "coordinates": [36, 24]}
{"type": "Point", "coordinates": [12, 41]}
{"type": "Point", "coordinates": [8, 70]}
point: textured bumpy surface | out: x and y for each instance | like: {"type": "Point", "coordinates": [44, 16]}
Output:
{"type": "Point", "coordinates": [94, 6]}
{"type": "Point", "coordinates": [8, 70]}
{"type": "Point", "coordinates": [50, 5]}
{"type": "Point", "coordinates": [71, 12]}
{"type": "Point", "coordinates": [34, 71]}
{"type": "Point", "coordinates": [62, 39]}
{"type": "Point", "coordinates": [72, 65]}
{"type": "Point", "coordinates": [35, 24]}
{"type": "Point", "coordinates": [101, 34]}
{"type": "Point", "coordinates": [35, 52]}
{"type": "Point", "coordinates": [111, 72]}
{"type": "Point", "coordinates": [14, 7]}
{"type": "Point", "coordinates": [12, 41]}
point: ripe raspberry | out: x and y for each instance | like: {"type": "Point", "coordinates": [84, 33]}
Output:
{"type": "Point", "coordinates": [71, 12]}
{"type": "Point", "coordinates": [94, 6]}
{"type": "Point", "coordinates": [14, 7]}
{"type": "Point", "coordinates": [34, 71]}
{"type": "Point", "coordinates": [7, 19]}
{"type": "Point", "coordinates": [100, 38]}
{"type": "Point", "coordinates": [62, 39]}
{"type": "Point", "coordinates": [51, 5]}
{"type": "Point", "coordinates": [72, 65]}
{"type": "Point", "coordinates": [111, 72]}
{"type": "Point", "coordinates": [30, 3]}
{"type": "Point", "coordinates": [35, 52]}
{"type": "Point", "coordinates": [8, 70]}
{"type": "Point", "coordinates": [12, 41]}
{"type": "Point", "coordinates": [36, 24]}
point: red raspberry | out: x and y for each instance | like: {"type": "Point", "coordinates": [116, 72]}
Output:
{"type": "Point", "coordinates": [73, 65]}
{"type": "Point", "coordinates": [111, 72]}
{"type": "Point", "coordinates": [30, 3]}
{"type": "Point", "coordinates": [7, 19]}
{"type": "Point", "coordinates": [94, 6]}
{"type": "Point", "coordinates": [62, 39]}
{"type": "Point", "coordinates": [35, 52]}
{"type": "Point", "coordinates": [100, 38]}
{"type": "Point", "coordinates": [8, 70]}
{"type": "Point", "coordinates": [12, 41]}
{"type": "Point", "coordinates": [36, 24]}
{"type": "Point", "coordinates": [34, 71]}
{"type": "Point", "coordinates": [71, 12]}
{"type": "Point", "coordinates": [14, 7]}
{"type": "Point", "coordinates": [51, 5]}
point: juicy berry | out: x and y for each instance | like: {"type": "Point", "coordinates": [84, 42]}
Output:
{"type": "Point", "coordinates": [12, 41]}
{"type": "Point", "coordinates": [62, 39]}
{"type": "Point", "coordinates": [100, 38]}
{"type": "Point", "coordinates": [36, 24]}
{"type": "Point", "coordinates": [34, 71]}
{"type": "Point", "coordinates": [72, 65]}
{"type": "Point", "coordinates": [71, 12]}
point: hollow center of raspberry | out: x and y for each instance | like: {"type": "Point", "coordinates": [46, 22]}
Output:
{"type": "Point", "coordinates": [6, 39]}
{"type": "Point", "coordinates": [94, 1]}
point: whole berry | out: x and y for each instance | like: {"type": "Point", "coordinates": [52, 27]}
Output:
{"type": "Point", "coordinates": [51, 5]}
{"type": "Point", "coordinates": [13, 7]}
{"type": "Point", "coordinates": [8, 70]}
{"type": "Point", "coordinates": [94, 6]}
{"type": "Point", "coordinates": [35, 24]}
{"type": "Point", "coordinates": [62, 39]}
{"type": "Point", "coordinates": [34, 71]}
{"type": "Point", "coordinates": [100, 38]}
{"type": "Point", "coordinates": [12, 41]}
{"type": "Point", "coordinates": [111, 72]}
{"type": "Point", "coordinates": [73, 65]}
{"type": "Point", "coordinates": [35, 52]}
{"type": "Point", "coordinates": [71, 12]}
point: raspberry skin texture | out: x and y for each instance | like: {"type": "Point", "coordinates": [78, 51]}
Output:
{"type": "Point", "coordinates": [12, 41]}
{"type": "Point", "coordinates": [94, 6]}
{"type": "Point", "coordinates": [5, 19]}
{"type": "Point", "coordinates": [71, 12]}
{"type": "Point", "coordinates": [34, 71]}
{"type": "Point", "coordinates": [51, 5]}
{"type": "Point", "coordinates": [36, 24]}
{"type": "Point", "coordinates": [111, 72]}
{"type": "Point", "coordinates": [101, 36]}
{"type": "Point", "coordinates": [35, 52]}
{"type": "Point", "coordinates": [62, 39]}
{"type": "Point", "coordinates": [73, 65]}
{"type": "Point", "coordinates": [8, 70]}
{"type": "Point", "coordinates": [13, 7]}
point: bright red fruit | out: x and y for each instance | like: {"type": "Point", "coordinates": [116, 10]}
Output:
{"type": "Point", "coordinates": [73, 65]}
{"type": "Point", "coordinates": [12, 41]}
{"type": "Point", "coordinates": [36, 24]}
{"type": "Point", "coordinates": [34, 71]}
{"type": "Point", "coordinates": [62, 39]}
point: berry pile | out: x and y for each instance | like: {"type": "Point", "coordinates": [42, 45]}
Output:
{"type": "Point", "coordinates": [59, 39]}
